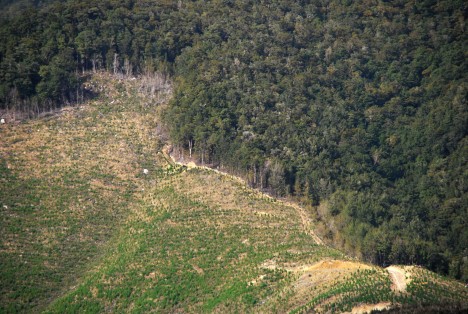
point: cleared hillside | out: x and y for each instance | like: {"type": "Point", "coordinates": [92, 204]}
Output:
{"type": "Point", "coordinates": [84, 229]}
{"type": "Point", "coordinates": [357, 106]}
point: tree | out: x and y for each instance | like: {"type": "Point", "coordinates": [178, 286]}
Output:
{"type": "Point", "coordinates": [58, 81]}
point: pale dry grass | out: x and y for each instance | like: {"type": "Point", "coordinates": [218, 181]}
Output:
{"type": "Point", "coordinates": [320, 277]}
{"type": "Point", "coordinates": [368, 308]}
{"type": "Point", "coordinates": [85, 162]}
{"type": "Point", "coordinates": [103, 148]}
{"type": "Point", "coordinates": [225, 194]}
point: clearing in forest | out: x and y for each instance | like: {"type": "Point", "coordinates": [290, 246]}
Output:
{"type": "Point", "coordinates": [86, 229]}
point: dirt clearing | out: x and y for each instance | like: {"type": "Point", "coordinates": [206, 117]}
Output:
{"type": "Point", "coordinates": [368, 308]}
{"type": "Point", "coordinates": [398, 277]}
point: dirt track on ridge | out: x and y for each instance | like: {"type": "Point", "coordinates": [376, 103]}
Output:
{"type": "Point", "coordinates": [305, 220]}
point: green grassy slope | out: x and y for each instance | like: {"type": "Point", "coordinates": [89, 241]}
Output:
{"type": "Point", "coordinates": [84, 230]}
{"type": "Point", "coordinates": [67, 184]}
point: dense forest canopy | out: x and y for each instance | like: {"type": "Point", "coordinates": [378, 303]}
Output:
{"type": "Point", "coordinates": [359, 104]}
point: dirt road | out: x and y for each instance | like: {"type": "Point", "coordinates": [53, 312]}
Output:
{"type": "Point", "coordinates": [305, 220]}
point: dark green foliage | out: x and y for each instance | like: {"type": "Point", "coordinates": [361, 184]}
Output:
{"type": "Point", "coordinates": [43, 52]}
{"type": "Point", "coordinates": [361, 103]}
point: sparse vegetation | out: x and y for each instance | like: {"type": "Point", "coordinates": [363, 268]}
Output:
{"type": "Point", "coordinates": [364, 286]}
{"type": "Point", "coordinates": [85, 230]}
{"type": "Point", "coordinates": [358, 105]}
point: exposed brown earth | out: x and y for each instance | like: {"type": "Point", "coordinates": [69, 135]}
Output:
{"type": "Point", "coordinates": [398, 277]}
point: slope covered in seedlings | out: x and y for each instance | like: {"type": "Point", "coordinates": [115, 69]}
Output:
{"type": "Point", "coordinates": [67, 183]}
{"type": "Point", "coordinates": [85, 229]}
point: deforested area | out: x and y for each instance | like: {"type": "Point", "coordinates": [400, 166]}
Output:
{"type": "Point", "coordinates": [233, 156]}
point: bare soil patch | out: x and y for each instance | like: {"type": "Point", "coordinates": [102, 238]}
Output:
{"type": "Point", "coordinates": [398, 275]}
{"type": "Point", "coordinates": [368, 308]}
{"type": "Point", "coordinates": [336, 264]}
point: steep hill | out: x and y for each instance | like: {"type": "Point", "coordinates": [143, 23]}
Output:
{"type": "Point", "coordinates": [86, 229]}
{"type": "Point", "coordinates": [359, 107]}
